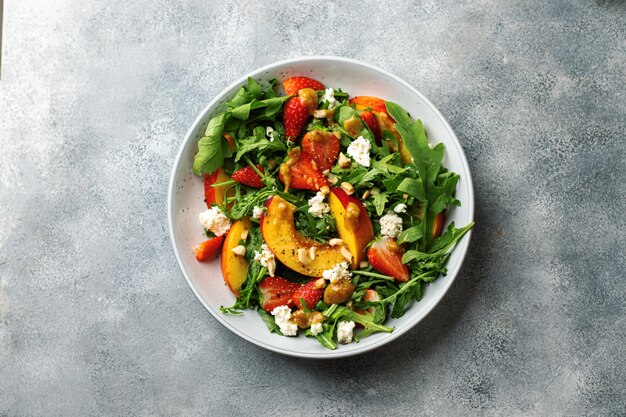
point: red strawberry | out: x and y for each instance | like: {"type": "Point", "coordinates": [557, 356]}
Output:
{"type": "Point", "coordinates": [276, 292]}
{"type": "Point", "coordinates": [310, 293]}
{"type": "Point", "coordinates": [295, 117]}
{"type": "Point", "coordinates": [322, 147]}
{"type": "Point", "coordinates": [294, 84]}
{"type": "Point", "coordinates": [304, 175]}
{"type": "Point", "coordinates": [248, 176]}
{"type": "Point", "coordinates": [371, 122]}
{"type": "Point", "coordinates": [386, 257]}
{"type": "Point", "coordinates": [207, 249]}
{"type": "Point", "coordinates": [378, 105]}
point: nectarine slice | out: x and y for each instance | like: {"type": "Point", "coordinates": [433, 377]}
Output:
{"type": "Point", "coordinates": [353, 223]}
{"type": "Point", "coordinates": [280, 234]}
{"type": "Point", "coordinates": [215, 194]}
{"type": "Point", "coordinates": [234, 267]}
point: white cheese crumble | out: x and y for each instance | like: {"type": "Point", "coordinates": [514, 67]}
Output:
{"type": "Point", "coordinates": [316, 328]}
{"type": "Point", "coordinates": [317, 206]}
{"type": "Point", "coordinates": [359, 150]}
{"type": "Point", "coordinates": [329, 96]}
{"type": "Point", "coordinates": [390, 225]}
{"type": "Point", "coordinates": [345, 330]}
{"type": "Point", "coordinates": [215, 220]}
{"type": "Point", "coordinates": [282, 316]}
{"type": "Point", "coordinates": [269, 133]}
{"type": "Point", "coordinates": [266, 258]}
{"type": "Point", "coordinates": [338, 272]}
{"type": "Point", "coordinates": [257, 212]}
{"type": "Point", "coordinates": [400, 208]}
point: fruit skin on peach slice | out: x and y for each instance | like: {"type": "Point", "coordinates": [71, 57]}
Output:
{"type": "Point", "coordinates": [353, 223]}
{"type": "Point", "coordinates": [280, 234]}
{"type": "Point", "coordinates": [215, 194]}
{"type": "Point", "coordinates": [385, 121]}
{"type": "Point", "coordinates": [234, 267]}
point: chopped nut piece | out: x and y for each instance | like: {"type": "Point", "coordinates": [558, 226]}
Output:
{"type": "Point", "coordinates": [332, 178]}
{"type": "Point", "coordinates": [335, 242]}
{"type": "Point", "coordinates": [346, 253]}
{"type": "Point", "coordinates": [365, 194]}
{"type": "Point", "coordinates": [337, 134]}
{"type": "Point", "coordinates": [319, 114]}
{"type": "Point", "coordinates": [347, 187]}
{"type": "Point", "coordinates": [303, 256]}
{"type": "Point", "coordinates": [344, 161]}
{"type": "Point", "coordinates": [363, 264]}
{"type": "Point", "coordinates": [312, 252]}
{"type": "Point", "coordinates": [326, 172]}
{"type": "Point", "coordinates": [320, 283]}
{"type": "Point", "coordinates": [244, 235]}
{"type": "Point", "coordinates": [239, 250]}
{"type": "Point", "coordinates": [405, 196]}
{"type": "Point", "coordinates": [324, 190]}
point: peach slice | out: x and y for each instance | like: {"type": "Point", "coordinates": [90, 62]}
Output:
{"type": "Point", "coordinates": [385, 121]}
{"type": "Point", "coordinates": [290, 246]}
{"type": "Point", "coordinates": [438, 224]}
{"type": "Point", "coordinates": [215, 194]}
{"type": "Point", "coordinates": [353, 223]}
{"type": "Point", "coordinates": [235, 267]}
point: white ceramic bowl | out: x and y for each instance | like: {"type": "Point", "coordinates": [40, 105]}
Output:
{"type": "Point", "coordinates": [185, 202]}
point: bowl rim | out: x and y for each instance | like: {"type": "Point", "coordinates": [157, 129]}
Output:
{"type": "Point", "coordinates": [332, 354]}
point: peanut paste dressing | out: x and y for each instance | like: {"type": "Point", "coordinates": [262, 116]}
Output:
{"type": "Point", "coordinates": [293, 155]}
{"type": "Point", "coordinates": [353, 125]}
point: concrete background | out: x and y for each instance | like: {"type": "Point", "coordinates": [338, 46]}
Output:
{"type": "Point", "coordinates": [95, 316]}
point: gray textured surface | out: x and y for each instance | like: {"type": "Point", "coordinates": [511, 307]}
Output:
{"type": "Point", "coordinates": [95, 316]}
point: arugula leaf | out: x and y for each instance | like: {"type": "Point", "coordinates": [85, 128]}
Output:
{"type": "Point", "coordinates": [254, 89]}
{"type": "Point", "coordinates": [262, 146]}
{"type": "Point", "coordinates": [379, 202]}
{"type": "Point", "coordinates": [210, 155]}
{"type": "Point", "coordinates": [449, 237]}
{"type": "Point", "coordinates": [412, 234]}
{"type": "Point", "coordinates": [269, 321]}
{"type": "Point", "coordinates": [413, 187]}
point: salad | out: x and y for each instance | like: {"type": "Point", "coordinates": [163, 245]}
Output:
{"type": "Point", "coordinates": [329, 211]}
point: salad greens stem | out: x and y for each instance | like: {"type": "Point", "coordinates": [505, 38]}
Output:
{"type": "Point", "coordinates": [374, 274]}
{"type": "Point", "coordinates": [253, 166]}
{"type": "Point", "coordinates": [405, 287]}
{"type": "Point", "coordinates": [224, 183]}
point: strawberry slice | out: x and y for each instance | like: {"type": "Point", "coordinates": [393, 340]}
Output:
{"type": "Point", "coordinates": [386, 257]}
{"type": "Point", "coordinates": [294, 84]}
{"type": "Point", "coordinates": [322, 147]}
{"type": "Point", "coordinates": [304, 175]}
{"type": "Point", "coordinates": [248, 176]}
{"type": "Point", "coordinates": [276, 292]}
{"type": "Point", "coordinates": [295, 117]}
{"type": "Point", "coordinates": [309, 293]}
{"type": "Point", "coordinates": [371, 122]}
{"type": "Point", "coordinates": [371, 295]}
{"type": "Point", "coordinates": [207, 249]}
{"type": "Point", "coordinates": [368, 102]}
